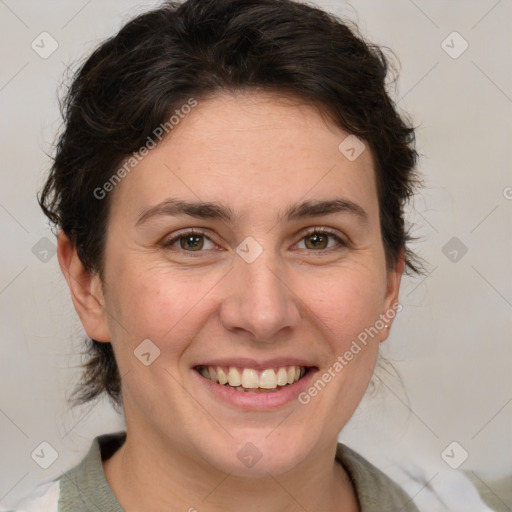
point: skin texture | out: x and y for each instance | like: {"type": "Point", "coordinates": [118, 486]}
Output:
{"type": "Point", "coordinates": [256, 154]}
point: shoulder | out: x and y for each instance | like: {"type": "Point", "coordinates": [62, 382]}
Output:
{"type": "Point", "coordinates": [82, 488]}
{"type": "Point", "coordinates": [85, 487]}
{"type": "Point", "coordinates": [44, 498]}
{"type": "Point", "coordinates": [376, 491]}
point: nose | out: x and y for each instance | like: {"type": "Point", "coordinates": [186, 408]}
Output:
{"type": "Point", "coordinates": [259, 301]}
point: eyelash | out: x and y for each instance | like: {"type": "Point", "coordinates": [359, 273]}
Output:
{"type": "Point", "coordinates": [167, 244]}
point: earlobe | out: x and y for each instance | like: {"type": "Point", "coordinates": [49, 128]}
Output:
{"type": "Point", "coordinates": [86, 290]}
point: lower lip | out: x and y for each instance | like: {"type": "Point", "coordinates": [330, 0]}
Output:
{"type": "Point", "coordinates": [257, 401]}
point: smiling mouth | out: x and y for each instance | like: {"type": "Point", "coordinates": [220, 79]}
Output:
{"type": "Point", "coordinates": [249, 380]}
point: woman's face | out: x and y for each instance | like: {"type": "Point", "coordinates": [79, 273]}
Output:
{"type": "Point", "coordinates": [252, 289]}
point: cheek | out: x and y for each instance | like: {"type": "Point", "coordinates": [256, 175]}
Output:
{"type": "Point", "coordinates": [342, 307]}
{"type": "Point", "coordinates": [346, 301]}
{"type": "Point", "coordinates": [159, 305]}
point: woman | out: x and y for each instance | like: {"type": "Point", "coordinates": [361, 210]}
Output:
{"type": "Point", "coordinates": [229, 192]}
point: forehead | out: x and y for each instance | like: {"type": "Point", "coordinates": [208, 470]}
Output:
{"type": "Point", "coordinates": [254, 152]}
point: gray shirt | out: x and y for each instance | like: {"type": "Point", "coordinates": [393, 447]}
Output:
{"type": "Point", "coordinates": [85, 488]}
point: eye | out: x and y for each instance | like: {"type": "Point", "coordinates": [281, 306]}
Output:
{"type": "Point", "coordinates": [319, 239]}
{"type": "Point", "coordinates": [191, 241]}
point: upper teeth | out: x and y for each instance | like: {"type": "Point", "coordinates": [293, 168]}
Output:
{"type": "Point", "coordinates": [252, 379]}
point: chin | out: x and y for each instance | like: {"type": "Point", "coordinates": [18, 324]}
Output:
{"type": "Point", "coordinates": [256, 454]}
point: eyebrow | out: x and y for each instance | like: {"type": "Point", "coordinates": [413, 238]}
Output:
{"type": "Point", "coordinates": [209, 210]}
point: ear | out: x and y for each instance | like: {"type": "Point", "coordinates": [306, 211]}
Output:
{"type": "Point", "coordinates": [86, 290]}
{"type": "Point", "coordinates": [391, 304]}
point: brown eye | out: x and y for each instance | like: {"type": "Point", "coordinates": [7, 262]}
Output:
{"type": "Point", "coordinates": [316, 241]}
{"type": "Point", "coordinates": [319, 240]}
{"type": "Point", "coordinates": [190, 242]}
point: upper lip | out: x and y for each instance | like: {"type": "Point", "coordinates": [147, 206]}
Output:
{"type": "Point", "coordinates": [246, 362]}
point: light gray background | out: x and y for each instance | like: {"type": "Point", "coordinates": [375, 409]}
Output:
{"type": "Point", "coordinates": [451, 343]}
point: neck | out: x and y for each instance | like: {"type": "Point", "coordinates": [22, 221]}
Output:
{"type": "Point", "coordinates": [146, 476]}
